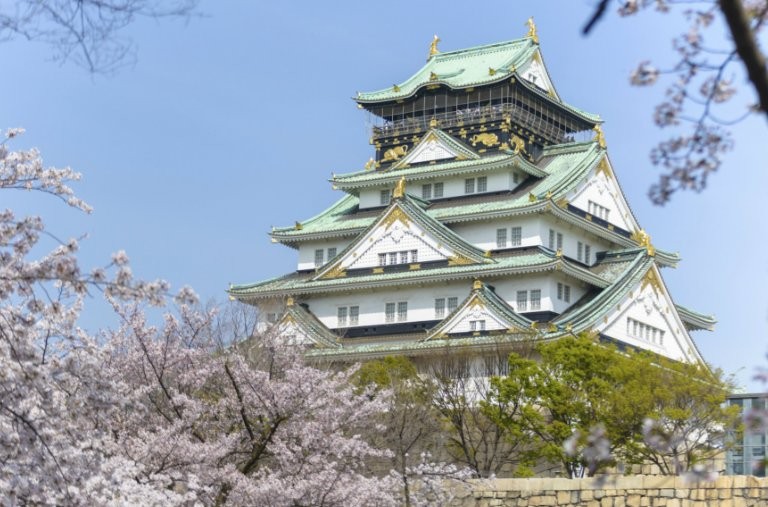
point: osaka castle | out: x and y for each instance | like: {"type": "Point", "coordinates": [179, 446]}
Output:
{"type": "Point", "coordinates": [490, 213]}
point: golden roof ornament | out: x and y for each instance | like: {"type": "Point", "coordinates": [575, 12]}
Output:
{"type": "Point", "coordinates": [643, 240]}
{"type": "Point", "coordinates": [399, 190]}
{"type": "Point", "coordinates": [433, 47]}
{"type": "Point", "coordinates": [298, 226]}
{"type": "Point", "coordinates": [289, 301]}
{"type": "Point", "coordinates": [369, 165]}
{"type": "Point", "coordinates": [433, 123]}
{"type": "Point", "coordinates": [599, 136]}
{"type": "Point", "coordinates": [532, 30]}
{"type": "Point", "coordinates": [477, 285]}
{"type": "Point", "coordinates": [433, 76]}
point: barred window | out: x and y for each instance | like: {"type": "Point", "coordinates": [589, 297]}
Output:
{"type": "Point", "coordinates": [438, 190]}
{"type": "Point", "coordinates": [559, 241]}
{"type": "Point", "coordinates": [477, 325]}
{"type": "Point", "coordinates": [414, 256]}
{"type": "Point", "coordinates": [384, 197]}
{"type": "Point", "coordinates": [354, 315]}
{"type": "Point", "coordinates": [559, 291]}
{"type": "Point", "coordinates": [469, 186]}
{"type": "Point", "coordinates": [579, 251]}
{"type": "Point", "coordinates": [551, 239]}
{"type": "Point", "coordinates": [389, 312]}
{"type": "Point", "coordinates": [342, 316]}
{"type": "Point", "coordinates": [382, 259]}
{"type": "Point", "coordinates": [331, 253]}
{"type": "Point", "coordinates": [501, 238]}
{"type": "Point", "coordinates": [453, 303]}
{"type": "Point", "coordinates": [426, 191]}
{"type": "Point", "coordinates": [536, 299]}
{"type": "Point", "coordinates": [567, 293]}
{"type": "Point", "coordinates": [587, 254]}
{"type": "Point", "coordinates": [482, 184]}
{"type": "Point", "coordinates": [517, 236]}
{"type": "Point", "coordinates": [522, 300]}
{"type": "Point", "coordinates": [402, 311]}
{"type": "Point", "coordinates": [439, 308]}
{"type": "Point", "coordinates": [393, 257]}
{"type": "Point", "coordinates": [319, 257]}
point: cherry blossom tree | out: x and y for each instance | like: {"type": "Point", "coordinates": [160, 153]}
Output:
{"type": "Point", "coordinates": [700, 86]}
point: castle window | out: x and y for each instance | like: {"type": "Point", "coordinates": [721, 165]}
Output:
{"type": "Point", "coordinates": [384, 197]}
{"type": "Point", "coordinates": [319, 257]}
{"type": "Point", "coordinates": [342, 316]}
{"type": "Point", "coordinates": [555, 240]}
{"type": "Point", "coordinates": [414, 256]}
{"type": "Point", "coordinates": [331, 253]}
{"type": "Point", "coordinates": [482, 184]}
{"type": "Point", "coordinates": [389, 312]}
{"type": "Point", "coordinates": [501, 238]}
{"type": "Point", "coordinates": [393, 257]}
{"type": "Point", "coordinates": [536, 299]}
{"type": "Point", "coordinates": [354, 315]}
{"type": "Point", "coordinates": [517, 236]}
{"type": "Point", "coordinates": [597, 210]}
{"type": "Point", "coordinates": [587, 254]}
{"type": "Point", "coordinates": [469, 186]}
{"type": "Point", "coordinates": [439, 308]}
{"type": "Point", "coordinates": [426, 191]}
{"type": "Point", "coordinates": [643, 331]}
{"type": "Point", "coordinates": [522, 300]}
{"type": "Point", "coordinates": [402, 311]}
{"type": "Point", "coordinates": [453, 303]}
{"type": "Point", "coordinates": [579, 251]}
{"type": "Point", "coordinates": [477, 325]}
{"type": "Point", "coordinates": [564, 292]}
{"type": "Point", "coordinates": [382, 259]}
{"type": "Point", "coordinates": [438, 190]}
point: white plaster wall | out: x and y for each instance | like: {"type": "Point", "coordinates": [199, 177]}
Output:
{"type": "Point", "coordinates": [462, 321]}
{"type": "Point", "coordinates": [398, 237]}
{"type": "Point", "coordinates": [307, 252]}
{"type": "Point", "coordinates": [654, 309]}
{"type": "Point", "coordinates": [483, 234]}
{"type": "Point", "coordinates": [603, 191]}
{"type": "Point", "coordinates": [571, 236]}
{"type": "Point", "coordinates": [452, 187]}
{"type": "Point", "coordinates": [421, 303]}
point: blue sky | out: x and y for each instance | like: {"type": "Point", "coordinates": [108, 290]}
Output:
{"type": "Point", "coordinates": [233, 122]}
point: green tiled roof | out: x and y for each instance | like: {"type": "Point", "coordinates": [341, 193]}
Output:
{"type": "Point", "coordinates": [498, 307]}
{"type": "Point", "coordinates": [461, 69]}
{"type": "Point", "coordinates": [695, 320]}
{"type": "Point", "coordinates": [531, 261]}
{"type": "Point", "coordinates": [465, 68]}
{"type": "Point", "coordinates": [564, 167]}
{"type": "Point", "coordinates": [311, 325]}
{"type": "Point", "coordinates": [413, 210]}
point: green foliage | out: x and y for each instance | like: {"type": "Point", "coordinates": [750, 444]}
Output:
{"type": "Point", "coordinates": [579, 384]}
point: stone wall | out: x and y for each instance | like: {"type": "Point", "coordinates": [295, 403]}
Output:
{"type": "Point", "coordinates": [630, 491]}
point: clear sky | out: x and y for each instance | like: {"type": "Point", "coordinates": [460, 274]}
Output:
{"type": "Point", "coordinates": [233, 122]}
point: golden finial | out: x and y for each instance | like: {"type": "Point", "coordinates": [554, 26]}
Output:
{"type": "Point", "coordinates": [532, 197]}
{"type": "Point", "coordinates": [399, 190]}
{"type": "Point", "coordinates": [569, 327]}
{"type": "Point", "coordinates": [298, 226]}
{"type": "Point", "coordinates": [535, 325]}
{"type": "Point", "coordinates": [289, 301]}
{"type": "Point", "coordinates": [487, 254]}
{"type": "Point", "coordinates": [599, 136]}
{"type": "Point", "coordinates": [477, 285]}
{"type": "Point", "coordinates": [395, 88]}
{"type": "Point", "coordinates": [532, 30]}
{"type": "Point", "coordinates": [491, 71]}
{"type": "Point", "coordinates": [433, 123]}
{"type": "Point", "coordinates": [552, 327]}
{"type": "Point", "coordinates": [643, 240]}
{"type": "Point", "coordinates": [433, 76]}
{"type": "Point", "coordinates": [433, 47]}
{"type": "Point", "coordinates": [559, 253]}
{"type": "Point", "coordinates": [369, 165]}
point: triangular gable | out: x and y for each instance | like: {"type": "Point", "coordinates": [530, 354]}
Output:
{"type": "Point", "coordinates": [407, 232]}
{"type": "Point", "coordinates": [436, 145]}
{"type": "Point", "coordinates": [599, 193]}
{"type": "Point", "coordinates": [638, 310]}
{"type": "Point", "coordinates": [536, 73]}
{"type": "Point", "coordinates": [299, 326]}
{"type": "Point", "coordinates": [481, 313]}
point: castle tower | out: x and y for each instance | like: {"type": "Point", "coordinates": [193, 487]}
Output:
{"type": "Point", "coordinates": [490, 213]}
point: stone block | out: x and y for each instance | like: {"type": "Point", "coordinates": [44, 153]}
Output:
{"type": "Point", "coordinates": [645, 501]}
{"type": "Point", "coordinates": [725, 503]}
{"type": "Point", "coordinates": [496, 502]}
{"type": "Point", "coordinates": [592, 503]}
{"type": "Point", "coordinates": [633, 501]}
{"type": "Point", "coordinates": [724, 493]}
{"type": "Point", "coordinates": [659, 482]}
{"type": "Point", "coordinates": [606, 501]}
{"type": "Point", "coordinates": [599, 494]}
{"type": "Point", "coordinates": [667, 493]}
{"type": "Point", "coordinates": [681, 493]}
{"type": "Point", "coordinates": [563, 497]}
{"type": "Point", "coordinates": [576, 497]}
{"type": "Point", "coordinates": [674, 502]}
{"type": "Point", "coordinates": [587, 495]}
